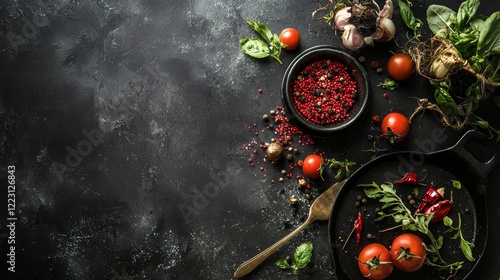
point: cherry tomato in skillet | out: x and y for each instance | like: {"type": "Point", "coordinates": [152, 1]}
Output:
{"type": "Point", "coordinates": [311, 166]}
{"type": "Point", "coordinates": [408, 252]}
{"type": "Point", "coordinates": [290, 37]}
{"type": "Point", "coordinates": [400, 66]}
{"type": "Point", "coordinates": [374, 261]}
{"type": "Point", "coordinates": [395, 126]}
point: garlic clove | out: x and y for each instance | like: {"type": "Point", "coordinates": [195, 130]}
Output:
{"type": "Point", "coordinates": [387, 10]}
{"type": "Point", "coordinates": [351, 38]}
{"type": "Point", "coordinates": [369, 40]}
{"type": "Point", "coordinates": [342, 18]}
{"type": "Point", "coordinates": [389, 30]}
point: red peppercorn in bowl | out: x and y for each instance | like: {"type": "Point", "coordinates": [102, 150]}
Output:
{"type": "Point", "coordinates": [325, 91]}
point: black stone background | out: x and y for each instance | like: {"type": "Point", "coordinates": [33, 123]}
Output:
{"type": "Point", "coordinates": [157, 99]}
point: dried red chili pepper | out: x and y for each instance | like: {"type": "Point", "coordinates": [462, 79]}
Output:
{"type": "Point", "coordinates": [410, 178]}
{"type": "Point", "coordinates": [439, 209]}
{"type": "Point", "coordinates": [358, 226]}
{"type": "Point", "coordinates": [431, 196]}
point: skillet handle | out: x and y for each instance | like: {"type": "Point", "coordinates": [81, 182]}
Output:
{"type": "Point", "coordinates": [480, 152]}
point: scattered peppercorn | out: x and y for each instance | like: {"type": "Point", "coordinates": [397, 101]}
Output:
{"type": "Point", "coordinates": [374, 64]}
{"type": "Point", "coordinates": [294, 200]}
{"type": "Point", "coordinates": [362, 59]}
{"type": "Point", "coordinates": [375, 118]}
{"type": "Point", "coordinates": [385, 95]}
{"type": "Point", "coordinates": [274, 151]}
{"type": "Point", "coordinates": [379, 70]}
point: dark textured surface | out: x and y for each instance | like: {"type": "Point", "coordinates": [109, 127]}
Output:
{"type": "Point", "coordinates": [127, 121]}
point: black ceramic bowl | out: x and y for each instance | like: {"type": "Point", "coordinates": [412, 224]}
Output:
{"type": "Point", "coordinates": [357, 73]}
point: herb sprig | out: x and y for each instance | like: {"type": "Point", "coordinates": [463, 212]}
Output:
{"type": "Point", "coordinates": [343, 168]}
{"type": "Point", "coordinates": [386, 193]}
{"type": "Point", "coordinates": [271, 44]}
{"type": "Point", "coordinates": [301, 258]}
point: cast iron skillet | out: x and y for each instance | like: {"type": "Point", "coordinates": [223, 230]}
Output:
{"type": "Point", "coordinates": [469, 161]}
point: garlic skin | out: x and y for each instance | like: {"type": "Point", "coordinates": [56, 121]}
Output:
{"type": "Point", "coordinates": [342, 18]}
{"type": "Point", "coordinates": [387, 10]}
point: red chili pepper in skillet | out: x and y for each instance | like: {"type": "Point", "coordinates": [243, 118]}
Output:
{"type": "Point", "coordinates": [431, 196]}
{"type": "Point", "coordinates": [410, 178]}
{"type": "Point", "coordinates": [358, 226]}
{"type": "Point", "coordinates": [439, 209]}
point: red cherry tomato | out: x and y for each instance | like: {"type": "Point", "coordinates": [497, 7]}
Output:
{"type": "Point", "coordinates": [290, 37]}
{"type": "Point", "coordinates": [374, 261]}
{"type": "Point", "coordinates": [395, 126]}
{"type": "Point", "coordinates": [311, 166]}
{"type": "Point", "coordinates": [407, 252]}
{"type": "Point", "coordinates": [400, 66]}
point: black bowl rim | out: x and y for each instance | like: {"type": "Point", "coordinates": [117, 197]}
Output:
{"type": "Point", "coordinates": [320, 130]}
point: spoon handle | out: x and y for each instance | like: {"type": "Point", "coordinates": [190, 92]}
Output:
{"type": "Point", "coordinates": [252, 263]}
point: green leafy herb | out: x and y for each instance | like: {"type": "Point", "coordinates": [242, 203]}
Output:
{"type": "Point", "coordinates": [465, 245]}
{"type": "Point", "coordinates": [466, 11]}
{"type": "Point", "coordinates": [388, 84]}
{"type": "Point", "coordinates": [456, 184]}
{"type": "Point", "coordinates": [409, 18]}
{"type": "Point", "coordinates": [394, 207]}
{"type": "Point", "coordinates": [343, 168]}
{"type": "Point", "coordinates": [270, 46]}
{"type": "Point", "coordinates": [440, 18]}
{"type": "Point", "coordinates": [374, 150]}
{"type": "Point", "coordinates": [475, 45]}
{"type": "Point", "coordinates": [301, 258]}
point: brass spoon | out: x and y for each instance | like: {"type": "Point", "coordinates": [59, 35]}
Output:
{"type": "Point", "coordinates": [319, 211]}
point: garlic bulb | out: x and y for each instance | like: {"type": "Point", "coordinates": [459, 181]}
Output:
{"type": "Point", "coordinates": [441, 66]}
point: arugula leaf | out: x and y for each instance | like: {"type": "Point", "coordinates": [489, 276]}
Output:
{"type": "Point", "coordinates": [465, 12]}
{"type": "Point", "coordinates": [489, 40]}
{"type": "Point", "coordinates": [440, 17]}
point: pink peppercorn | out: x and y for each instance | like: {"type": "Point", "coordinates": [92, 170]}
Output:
{"type": "Point", "coordinates": [324, 92]}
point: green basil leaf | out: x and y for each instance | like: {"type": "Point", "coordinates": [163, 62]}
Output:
{"type": "Point", "coordinates": [283, 264]}
{"type": "Point", "coordinates": [477, 22]}
{"type": "Point", "coordinates": [444, 99]}
{"type": "Point", "coordinates": [303, 254]}
{"type": "Point", "coordinates": [489, 40]}
{"type": "Point", "coordinates": [408, 17]}
{"type": "Point", "coordinates": [440, 17]}
{"type": "Point", "coordinates": [262, 29]}
{"type": "Point", "coordinates": [466, 250]}
{"type": "Point", "coordinates": [254, 47]}
{"type": "Point", "coordinates": [466, 10]}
